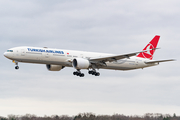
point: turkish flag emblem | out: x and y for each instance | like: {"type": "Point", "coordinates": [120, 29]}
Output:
{"type": "Point", "coordinates": [148, 54]}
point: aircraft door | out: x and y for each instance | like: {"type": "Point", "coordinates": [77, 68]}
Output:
{"type": "Point", "coordinates": [136, 62]}
{"type": "Point", "coordinates": [81, 55]}
{"type": "Point", "coordinates": [46, 55]}
{"type": "Point", "coordinates": [22, 52]}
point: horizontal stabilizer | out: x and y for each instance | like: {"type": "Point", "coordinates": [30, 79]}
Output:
{"type": "Point", "coordinates": [158, 61]}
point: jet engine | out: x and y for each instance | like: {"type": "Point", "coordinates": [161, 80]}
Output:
{"type": "Point", "coordinates": [54, 67]}
{"type": "Point", "coordinates": [80, 63]}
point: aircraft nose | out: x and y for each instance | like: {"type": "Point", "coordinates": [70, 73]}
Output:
{"type": "Point", "coordinates": [5, 54]}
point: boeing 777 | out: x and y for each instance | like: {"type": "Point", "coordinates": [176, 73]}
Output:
{"type": "Point", "coordinates": [57, 59]}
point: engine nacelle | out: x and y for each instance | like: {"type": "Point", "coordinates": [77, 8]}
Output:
{"type": "Point", "coordinates": [54, 67]}
{"type": "Point", "coordinates": [80, 63]}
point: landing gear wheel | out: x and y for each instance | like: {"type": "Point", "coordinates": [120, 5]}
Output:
{"type": "Point", "coordinates": [78, 73]}
{"type": "Point", "coordinates": [97, 74]}
{"type": "Point", "coordinates": [17, 67]}
{"type": "Point", "coordinates": [81, 75]}
{"type": "Point", "coordinates": [74, 73]}
{"type": "Point", "coordinates": [93, 72]}
{"type": "Point", "coordinates": [90, 72]}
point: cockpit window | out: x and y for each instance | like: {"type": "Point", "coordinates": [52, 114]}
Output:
{"type": "Point", "coordinates": [9, 50]}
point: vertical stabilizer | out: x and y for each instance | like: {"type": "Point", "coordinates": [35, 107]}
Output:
{"type": "Point", "coordinates": [152, 44]}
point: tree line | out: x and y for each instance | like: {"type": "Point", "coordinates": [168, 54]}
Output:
{"type": "Point", "coordinates": [91, 116]}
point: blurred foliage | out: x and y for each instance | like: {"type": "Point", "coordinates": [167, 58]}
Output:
{"type": "Point", "coordinates": [91, 116]}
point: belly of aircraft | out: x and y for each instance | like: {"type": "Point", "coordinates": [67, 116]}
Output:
{"type": "Point", "coordinates": [124, 66]}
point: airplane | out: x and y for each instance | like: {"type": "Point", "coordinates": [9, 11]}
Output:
{"type": "Point", "coordinates": [57, 59]}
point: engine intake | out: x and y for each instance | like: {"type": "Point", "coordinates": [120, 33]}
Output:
{"type": "Point", "coordinates": [54, 67]}
{"type": "Point", "coordinates": [80, 63]}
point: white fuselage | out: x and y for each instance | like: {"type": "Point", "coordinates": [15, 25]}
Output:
{"type": "Point", "coordinates": [63, 57]}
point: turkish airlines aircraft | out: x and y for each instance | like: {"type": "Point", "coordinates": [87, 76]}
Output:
{"type": "Point", "coordinates": [57, 59]}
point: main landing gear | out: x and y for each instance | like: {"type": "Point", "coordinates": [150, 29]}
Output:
{"type": "Point", "coordinates": [78, 73]}
{"type": "Point", "coordinates": [93, 72]}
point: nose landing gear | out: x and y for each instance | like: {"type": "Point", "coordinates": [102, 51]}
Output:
{"type": "Point", "coordinates": [16, 63]}
{"type": "Point", "coordinates": [17, 67]}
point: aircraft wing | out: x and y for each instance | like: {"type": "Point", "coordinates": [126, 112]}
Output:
{"type": "Point", "coordinates": [116, 57]}
{"type": "Point", "coordinates": [158, 61]}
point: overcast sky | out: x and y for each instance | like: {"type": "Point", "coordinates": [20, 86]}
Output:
{"type": "Point", "coordinates": [108, 26]}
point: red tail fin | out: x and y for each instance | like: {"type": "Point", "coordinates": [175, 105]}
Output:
{"type": "Point", "coordinates": [152, 44]}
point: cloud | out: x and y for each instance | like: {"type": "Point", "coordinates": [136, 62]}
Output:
{"type": "Point", "coordinates": [109, 27]}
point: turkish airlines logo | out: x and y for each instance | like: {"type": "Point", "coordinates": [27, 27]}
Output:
{"type": "Point", "coordinates": [148, 54]}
